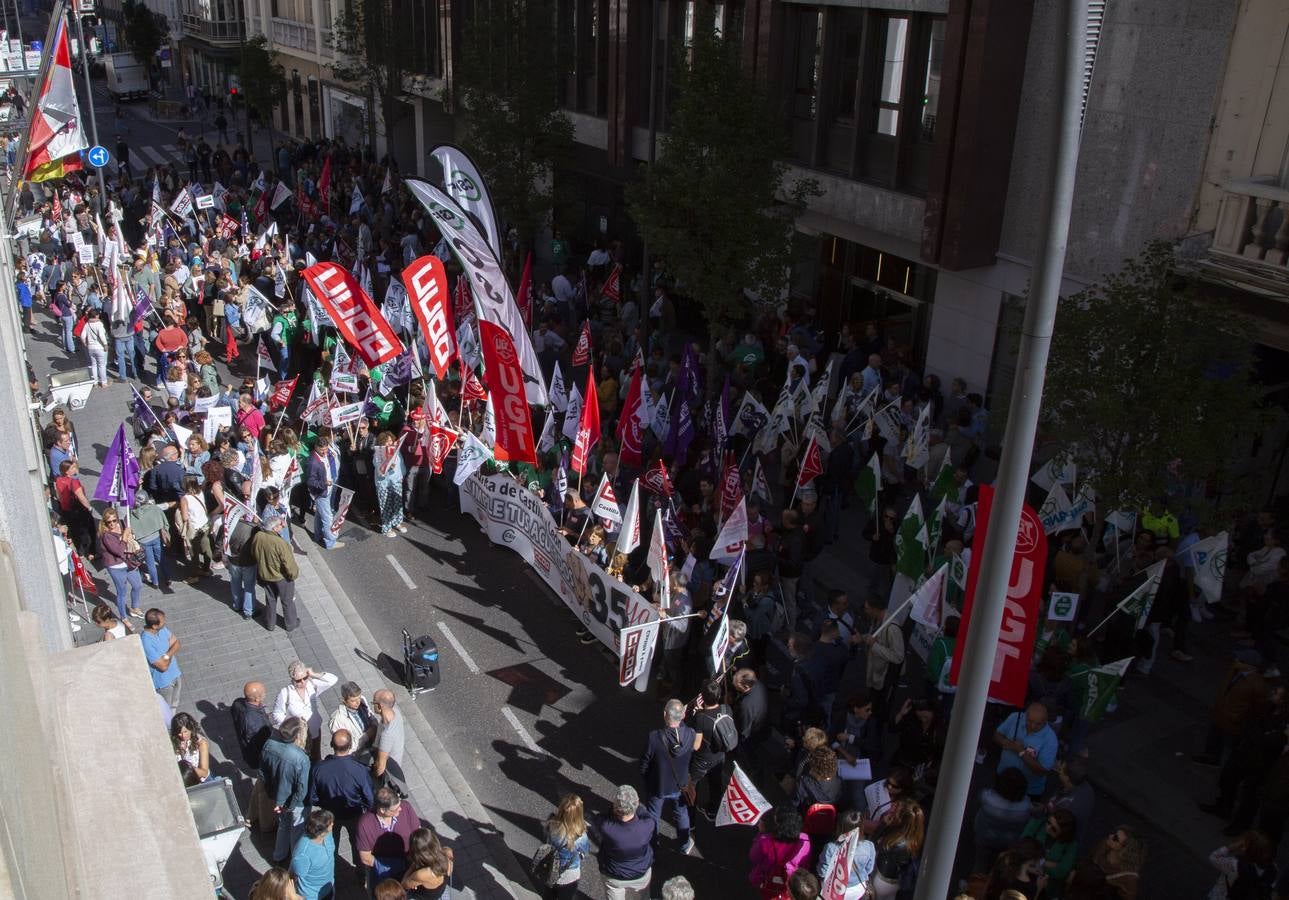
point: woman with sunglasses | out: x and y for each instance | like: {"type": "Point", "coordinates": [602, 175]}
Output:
{"type": "Point", "coordinates": [300, 698]}
{"type": "Point", "coordinates": [115, 542]}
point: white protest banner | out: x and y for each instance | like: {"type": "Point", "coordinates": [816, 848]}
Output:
{"type": "Point", "coordinates": [204, 404]}
{"type": "Point", "coordinates": [206, 201]}
{"type": "Point", "coordinates": [635, 651]}
{"type": "Point", "coordinates": [85, 254]}
{"type": "Point", "coordinates": [513, 516]}
{"type": "Point", "coordinates": [344, 383]}
{"type": "Point", "coordinates": [217, 417]}
{"type": "Point", "coordinates": [742, 803]}
{"type": "Point", "coordinates": [1058, 513]}
{"type": "Point", "coordinates": [343, 415]}
{"type": "Point", "coordinates": [721, 641]}
{"type": "Point", "coordinates": [1062, 606]}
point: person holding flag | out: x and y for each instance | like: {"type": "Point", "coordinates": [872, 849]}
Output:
{"type": "Point", "coordinates": [389, 474]}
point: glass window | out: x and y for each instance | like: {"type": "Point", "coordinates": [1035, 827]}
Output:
{"type": "Point", "coordinates": [931, 83]}
{"type": "Point", "coordinates": [892, 89]}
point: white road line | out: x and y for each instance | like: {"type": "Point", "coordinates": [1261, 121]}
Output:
{"type": "Point", "coordinates": [152, 155]}
{"type": "Point", "coordinates": [402, 573]}
{"type": "Point", "coordinates": [461, 651]}
{"type": "Point", "coordinates": [170, 148]}
{"type": "Point", "coordinates": [521, 731]}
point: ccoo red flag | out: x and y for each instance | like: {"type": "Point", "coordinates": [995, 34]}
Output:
{"type": "Point", "coordinates": [509, 401]}
{"type": "Point", "coordinates": [630, 428]}
{"type": "Point", "coordinates": [657, 480]}
{"type": "Point", "coordinates": [588, 429]}
{"type": "Point", "coordinates": [471, 388]}
{"type": "Point", "coordinates": [357, 318]}
{"type": "Point", "coordinates": [282, 393]}
{"type": "Point", "coordinates": [81, 578]}
{"type": "Point", "coordinates": [812, 464]}
{"type": "Point", "coordinates": [582, 352]}
{"type": "Point", "coordinates": [731, 484]}
{"type": "Point", "coordinates": [427, 286]}
{"type": "Point", "coordinates": [440, 442]}
{"type": "Point", "coordinates": [613, 286]}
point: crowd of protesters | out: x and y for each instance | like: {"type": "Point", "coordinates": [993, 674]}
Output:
{"type": "Point", "coordinates": [820, 698]}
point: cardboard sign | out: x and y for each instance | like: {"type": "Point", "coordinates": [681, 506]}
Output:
{"type": "Point", "coordinates": [217, 417]}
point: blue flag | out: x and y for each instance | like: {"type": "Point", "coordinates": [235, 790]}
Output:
{"type": "Point", "coordinates": [120, 477]}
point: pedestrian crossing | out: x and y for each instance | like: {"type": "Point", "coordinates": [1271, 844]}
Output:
{"type": "Point", "coordinates": [151, 155]}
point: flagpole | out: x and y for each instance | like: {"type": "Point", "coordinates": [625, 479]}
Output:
{"type": "Point", "coordinates": [89, 93]}
{"type": "Point", "coordinates": [959, 759]}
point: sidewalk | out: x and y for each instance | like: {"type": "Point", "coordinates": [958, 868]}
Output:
{"type": "Point", "coordinates": [221, 652]}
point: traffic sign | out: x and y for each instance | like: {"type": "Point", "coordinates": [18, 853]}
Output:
{"type": "Point", "coordinates": [98, 156]}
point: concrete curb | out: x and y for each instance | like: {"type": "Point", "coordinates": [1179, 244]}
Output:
{"type": "Point", "coordinates": [517, 883]}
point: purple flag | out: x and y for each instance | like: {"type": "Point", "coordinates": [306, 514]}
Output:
{"type": "Point", "coordinates": [682, 432]}
{"type": "Point", "coordinates": [723, 592]}
{"type": "Point", "coordinates": [142, 303]}
{"type": "Point", "coordinates": [143, 413]}
{"type": "Point", "coordinates": [120, 478]}
{"type": "Point", "coordinates": [672, 531]}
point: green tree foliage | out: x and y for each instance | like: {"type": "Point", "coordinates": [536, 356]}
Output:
{"type": "Point", "coordinates": [509, 76]}
{"type": "Point", "coordinates": [378, 54]}
{"type": "Point", "coordinates": [142, 32]}
{"type": "Point", "coordinates": [716, 209]}
{"type": "Point", "coordinates": [263, 80]}
{"type": "Point", "coordinates": [1149, 387]}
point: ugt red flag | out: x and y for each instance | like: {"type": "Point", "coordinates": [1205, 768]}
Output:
{"type": "Point", "coordinates": [588, 429]}
{"type": "Point", "coordinates": [356, 316]}
{"type": "Point", "coordinates": [812, 464]}
{"type": "Point", "coordinates": [630, 428]}
{"type": "Point", "coordinates": [1020, 612]}
{"type": "Point", "coordinates": [509, 401]}
{"type": "Point", "coordinates": [582, 352]}
{"type": "Point", "coordinates": [282, 392]}
{"type": "Point", "coordinates": [427, 286]}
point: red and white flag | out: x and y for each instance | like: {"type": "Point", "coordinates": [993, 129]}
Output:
{"type": "Point", "coordinates": [514, 437]}
{"type": "Point", "coordinates": [582, 352]}
{"type": "Point", "coordinates": [282, 392]}
{"type": "Point", "coordinates": [55, 136]}
{"type": "Point", "coordinates": [324, 185]}
{"type": "Point", "coordinates": [635, 650]}
{"type": "Point", "coordinates": [357, 318]}
{"type": "Point", "coordinates": [346, 497]}
{"type": "Point", "coordinates": [80, 577]}
{"type": "Point", "coordinates": [441, 442]}
{"type": "Point", "coordinates": [731, 484]}
{"type": "Point", "coordinates": [605, 504]}
{"type": "Point", "coordinates": [833, 885]}
{"type": "Point", "coordinates": [812, 464]}
{"type": "Point", "coordinates": [630, 426]}
{"type": "Point", "coordinates": [733, 537]}
{"type": "Point", "coordinates": [629, 536]}
{"type": "Point", "coordinates": [427, 287]}
{"type": "Point", "coordinates": [588, 426]}
{"type": "Point", "coordinates": [742, 803]}
{"type": "Point", "coordinates": [471, 387]}
{"type": "Point", "coordinates": [613, 286]}
{"type": "Point", "coordinates": [657, 480]}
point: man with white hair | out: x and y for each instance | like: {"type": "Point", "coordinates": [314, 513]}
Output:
{"type": "Point", "coordinates": [626, 839]}
{"type": "Point", "coordinates": [677, 887]}
{"type": "Point", "coordinates": [665, 767]}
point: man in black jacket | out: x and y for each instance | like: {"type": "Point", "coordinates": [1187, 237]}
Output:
{"type": "Point", "coordinates": [752, 715]}
{"type": "Point", "coordinates": [251, 723]}
{"type": "Point", "coordinates": [665, 767]}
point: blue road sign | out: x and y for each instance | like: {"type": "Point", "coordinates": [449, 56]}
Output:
{"type": "Point", "coordinates": [98, 156]}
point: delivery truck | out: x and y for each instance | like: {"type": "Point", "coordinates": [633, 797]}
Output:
{"type": "Point", "coordinates": [127, 78]}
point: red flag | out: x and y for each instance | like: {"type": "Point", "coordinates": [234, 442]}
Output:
{"type": "Point", "coordinates": [324, 184]}
{"type": "Point", "coordinates": [261, 207]}
{"type": "Point", "coordinates": [657, 480]}
{"type": "Point", "coordinates": [57, 211]}
{"type": "Point", "coordinates": [509, 402]}
{"type": "Point", "coordinates": [588, 429]}
{"type": "Point", "coordinates": [582, 352]}
{"type": "Point", "coordinates": [1020, 614]}
{"type": "Point", "coordinates": [282, 393]}
{"type": "Point", "coordinates": [630, 429]}
{"type": "Point", "coordinates": [471, 388]}
{"type": "Point", "coordinates": [524, 298]}
{"type": "Point", "coordinates": [230, 345]}
{"type": "Point", "coordinates": [731, 484]}
{"type": "Point", "coordinates": [356, 316]}
{"type": "Point", "coordinates": [812, 464]}
{"type": "Point", "coordinates": [427, 286]}
{"type": "Point", "coordinates": [612, 288]}
{"type": "Point", "coordinates": [81, 578]}
{"type": "Point", "coordinates": [441, 441]}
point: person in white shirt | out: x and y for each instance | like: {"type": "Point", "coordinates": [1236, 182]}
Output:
{"type": "Point", "coordinates": [300, 698]}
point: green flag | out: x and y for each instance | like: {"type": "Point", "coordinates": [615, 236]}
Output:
{"type": "Point", "coordinates": [1138, 603]}
{"type": "Point", "coordinates": [869, 483]}
{"type": "Point", "coordinates": [911, 542]}
{"type": "Point", "coordinates": [944, 484]}
{"type": "Point", "coordinates": [1098, 688]}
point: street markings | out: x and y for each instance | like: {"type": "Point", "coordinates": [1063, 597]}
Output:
{"type": "Point", "coordinates": [457, 646]}
{"type": "Point", "coordinates": [521, 731]}
{"type": "Point", "coordinates": [151, 155]}
{"type": "Point", "coordinates": [402, 573]}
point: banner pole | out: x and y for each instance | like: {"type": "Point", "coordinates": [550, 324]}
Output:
{"type": "Point", "coordinates": [979, 645]}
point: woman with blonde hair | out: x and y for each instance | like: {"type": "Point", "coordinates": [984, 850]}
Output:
{"type": "Point", "coordinates": [567, 838]}
{"type": "Point", "coordinates": [275, 884]}
{"type": "Point", "coordinates": [899, 844]}
{"type": "Point", "coordinates": [1120, 856]}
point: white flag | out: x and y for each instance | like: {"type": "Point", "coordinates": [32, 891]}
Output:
{"type": "Point", "coordinates": [657, 561]}
{"type": "Point", "coordinates": [558, 393]}
{"type": "Point", "coordinates": [281, 193]}
{"type": "Point", "coordinates": [471, 455]}
{"type": "Point", "coordinates": [635, 650]}
{"type": "Point", "coordinates": [917, 447]}
{"type": "Point", "coordinates": [1209, 560]}
{"type": "Point", "coordinates": [605, 504]}
{"type": "Point", "coordinates": [572, 414]}
{"type": "Point", "coordinates": [356, 201]}
{"type": "Point", "coordinates": [1049, 473]}
{"type": "Point", "coordinates": [629, 536]}
{"type": "Point", "coordinates": [661, 422]}
{"type": "Point", "coordinates": [928, 600]}
{"type": "Point", "coordinates": [547, 441]}
{"type": "Point", "coordinates": [730, 542]}
{"type": "Point", "coordinates": [742, 803]}
{"type": "Point", "coordinates": [267, 235]}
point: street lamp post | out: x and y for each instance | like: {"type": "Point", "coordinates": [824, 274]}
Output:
{"type": "Point", "coordinates": [89, 95]}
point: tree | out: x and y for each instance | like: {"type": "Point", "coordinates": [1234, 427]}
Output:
{"type": "Point", "coordinates": [142, 32]}
{"type": "Point", "coordinates": [263, 80]}
{"type": "Point", "coordinates": [378, 56]}
{"type": "Point", "coordinates": [509, 76]}
{"type": "Point", "coordinates": [1149, 387]}
{"type": "Point", "coordinates": [716, 209]}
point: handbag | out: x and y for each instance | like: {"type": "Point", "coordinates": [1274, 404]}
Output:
{"type": "Point", "coordinates": [134, 556]}
{"type": "Point", "coordinates": [689, 790]}
{"type": "Point", "coordinates": [545, 865]}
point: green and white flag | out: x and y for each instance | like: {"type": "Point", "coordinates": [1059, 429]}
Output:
{"type": "Point", "coordinates": [471, 455]}
{"type": "Point", "coordinates": [911, 542]}
{"type": "Point", "coordinates": [935, 525]}
{"type": "Point", "coordinates": [1209, 559]}
{"type": "Point", "coordinates": [944, 485]}
{"type": "Point", "coordinates": [1138, 603]}
{"type": "Point", "coordinates": [869, 482]}
{"type": "Point", "coordinates": [1101, 684]}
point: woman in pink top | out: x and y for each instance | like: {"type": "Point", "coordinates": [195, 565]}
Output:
{"type": "Point", "coordinates": [778, 851]}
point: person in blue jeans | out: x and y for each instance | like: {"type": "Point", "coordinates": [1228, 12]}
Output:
{"type": "Point", "coordinates": [152, 531]}
{"type": "Point", "coordinates": [160, 648]}
{"type": "Point", "coordinates": [123, 349]}
{"type": "Point", "coordinates": [665, 767]}
{"type": "Point", "coordinates": [323, 469]}
{"type": "Point", "coordinates": [241, 576]}
{"type": "Point", "coordinates": [61, 306]}
{"type": "Point", "coordinates": [113, 542]}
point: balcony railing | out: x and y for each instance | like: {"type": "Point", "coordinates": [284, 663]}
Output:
{"type": "Point", "coordinates": [217, 31]}
{"type": "Point", "coordinates": [297, 35]}
{"type": "Point", "coordinates": [1252, 232]}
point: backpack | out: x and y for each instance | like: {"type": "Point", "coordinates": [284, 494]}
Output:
{"type": "Point", "coordinates": [724, 731]}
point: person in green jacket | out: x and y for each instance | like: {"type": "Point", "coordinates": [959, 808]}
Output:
{"type": "Point", "coordinates": [1057, 835]}
{"type": "Point", "coordinates": [276, 568]}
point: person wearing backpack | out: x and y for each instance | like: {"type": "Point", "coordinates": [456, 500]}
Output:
{"type": "Point", "coordinates": [713, 721]}
{"type": "Point", "coordinates": [777, 852]}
